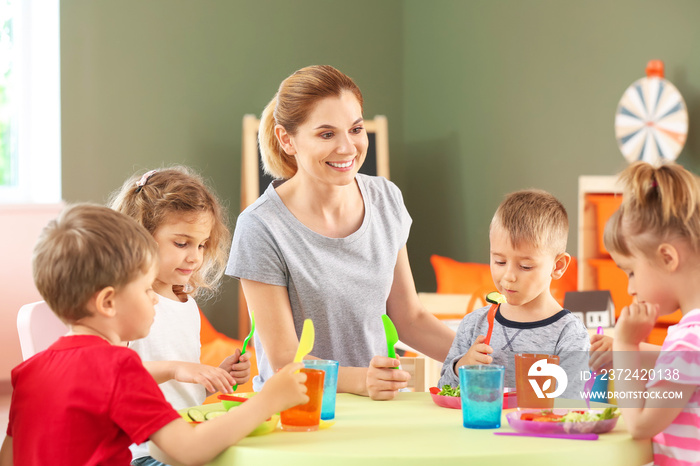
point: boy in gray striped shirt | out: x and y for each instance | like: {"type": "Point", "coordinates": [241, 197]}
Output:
{"type": "Point", "coordinates": [528, 236]}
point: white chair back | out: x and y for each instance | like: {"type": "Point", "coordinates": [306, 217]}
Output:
{"type": "Point", "coordinates": [38, 328]}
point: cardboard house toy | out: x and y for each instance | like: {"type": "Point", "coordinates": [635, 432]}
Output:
{"type": "Point", "coordinates": [594, 308]}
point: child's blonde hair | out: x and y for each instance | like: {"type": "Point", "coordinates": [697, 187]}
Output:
{"type": "Point", "coordinates": [152, 197]}
{"type": "Point", "coordinates": [533, 217]}
{"type": "Point", "coordinates": [297, 96]}
{"type": "Point", "coordinates": [86, 249]}
{"type": "Point", "coordinates": [658, 204]}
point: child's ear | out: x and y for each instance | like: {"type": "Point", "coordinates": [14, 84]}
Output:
{"type": "Point", "coordinates": [668, 254]}
{"type": "Point", "coordinates": [102, 303]}
{"type": "Point", "coordinates": [285, 139]}
{"type": "Point", "coordinates": [561, 263]}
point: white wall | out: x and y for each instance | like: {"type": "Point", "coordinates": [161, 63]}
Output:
{"type": "Point", "coordinates": [20, 226]}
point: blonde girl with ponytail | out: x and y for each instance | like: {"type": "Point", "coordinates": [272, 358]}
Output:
{"type": "Point", "coordinates": [655, 239]}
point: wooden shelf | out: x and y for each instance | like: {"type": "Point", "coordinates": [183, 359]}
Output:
{"type": "Point", "coordinates": [598, 197]}
{"type": "Point", "coordinates": [588, 240]}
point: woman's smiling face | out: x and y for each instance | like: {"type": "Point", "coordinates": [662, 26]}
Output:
{"type": "Point", "coordinates": [331, 145]}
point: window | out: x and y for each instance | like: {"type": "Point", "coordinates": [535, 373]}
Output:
{"type": "Point", "coordinates": [30, 139]}
{"type": "Point", "coordinates": [8, 145]}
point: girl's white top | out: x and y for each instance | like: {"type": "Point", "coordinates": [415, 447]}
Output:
{"type": "Point", "coordinates": [174, 336]}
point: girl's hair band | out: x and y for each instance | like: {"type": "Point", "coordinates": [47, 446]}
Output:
{"type": "Point", "coordinates": [144, 179]}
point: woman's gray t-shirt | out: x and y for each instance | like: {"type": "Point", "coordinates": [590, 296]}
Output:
{"type": "Point", "coordinates": [341, 284]}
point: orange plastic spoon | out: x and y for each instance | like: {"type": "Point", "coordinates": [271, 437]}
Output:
{"type": "Point", "coordinates": [490, 317]}
{"type": "Point", "coordinates": [496, 299]}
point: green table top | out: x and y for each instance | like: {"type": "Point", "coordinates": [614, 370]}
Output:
{"type": "Point", "coordinates": [412, 430]}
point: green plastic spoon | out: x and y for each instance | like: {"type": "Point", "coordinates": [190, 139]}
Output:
{"type": "Point", "coordinates": [247, 339]}
{"type": "Point", "coordinates": [392, 337]}
{"type": "Point", "coordinates": [306, 342]}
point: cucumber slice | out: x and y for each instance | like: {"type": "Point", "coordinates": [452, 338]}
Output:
{"type": "Point", "coordinates": [495, 298]}
{"type": "Point", "coordinates": [196, 415]}
{"type": "Point", "coordinates": [213, 414]}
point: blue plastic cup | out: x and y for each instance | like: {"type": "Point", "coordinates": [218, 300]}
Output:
{"type": "Point", "coordinates": [330, 384]}
{"type": "Point", "coordinates": [600, 386]}
{"type": "Point", "coordinates": [482, 395]}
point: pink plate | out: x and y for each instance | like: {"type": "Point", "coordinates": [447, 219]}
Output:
{"type": "Point", "coordinates": [510, 399]}
{"type": "Point", "coordinates": [455, 402]}
{"type": "Point", "coordinates": [537, 427]}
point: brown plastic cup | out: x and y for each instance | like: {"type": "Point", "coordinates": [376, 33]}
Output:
{"type": "Point", "coordinates": [526, 394]}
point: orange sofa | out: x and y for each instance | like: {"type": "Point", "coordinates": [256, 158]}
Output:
{"type": "Point", "coordinates": [216, 347]}
{"type": "Point", "coordinates": [474, 279]}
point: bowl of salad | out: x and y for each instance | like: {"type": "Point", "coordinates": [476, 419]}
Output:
{"type": "Point", "coordinates": [564, 421]}
{"type": "Point", "coordinates": [234, 399]}
{"type": "Point", "coordinates": [447, 396]}
{"type": "Point", "coordinates": [204, 413]}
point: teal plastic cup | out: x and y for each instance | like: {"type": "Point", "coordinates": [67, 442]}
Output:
{"type": "Point", "coordinates": [330, 384]}
{"type": "Point", "coordinates": [481, 390]}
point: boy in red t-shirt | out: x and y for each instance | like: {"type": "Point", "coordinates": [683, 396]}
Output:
{"type": "Point", "coordinates": [87, 397]}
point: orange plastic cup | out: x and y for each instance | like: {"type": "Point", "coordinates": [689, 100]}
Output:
{"type": "Point", "coordinates": [306, 417]}
{"type": "Point", "coordinates": [526, 395]}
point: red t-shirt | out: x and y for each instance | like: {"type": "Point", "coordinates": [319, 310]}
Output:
{"type": "Point", "coordinates": [83, 402]}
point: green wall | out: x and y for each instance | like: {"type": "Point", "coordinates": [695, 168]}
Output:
{"type": "Point", "coordinates": [161, 82]}
{"type": "Point", "coordinates": [482, 97]}
{"type": "Point", "coordinates": [507, 95]}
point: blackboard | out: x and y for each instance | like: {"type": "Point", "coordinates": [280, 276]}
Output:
{"type": "Point", "coordinates": [369, 167]}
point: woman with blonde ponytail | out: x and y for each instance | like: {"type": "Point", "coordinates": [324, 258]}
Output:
{"type": "Point", "coordinates": [326, 243]}
{"type": "Point", "coordinates": [275, 161]}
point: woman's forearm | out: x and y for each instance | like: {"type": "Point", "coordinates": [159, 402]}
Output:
{"type": "Point", "coordinates": [416, 326]}
{"type": "Point", "coordinates": [352, 380]}
{"type": "Point", "coordinates": [429, 335]}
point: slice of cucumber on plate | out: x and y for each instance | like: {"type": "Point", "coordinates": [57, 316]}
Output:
{"type": "Point", "coordinates": [213, 414]}
{"type": "Point", "coordinates": [195, 415]}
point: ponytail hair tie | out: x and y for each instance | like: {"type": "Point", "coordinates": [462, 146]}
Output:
{"type": "Point", "coordinates": [654, 184]}
{"type": "Point", "coordinates": [144, 179]}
